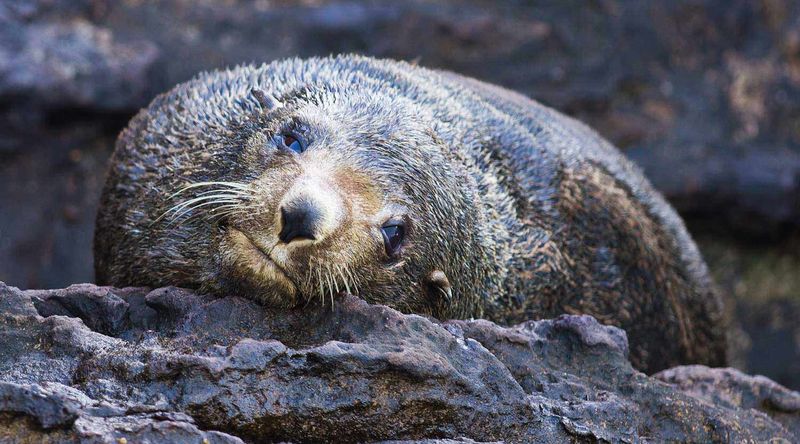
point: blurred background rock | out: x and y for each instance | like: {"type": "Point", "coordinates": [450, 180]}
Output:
{"type": "Point", "coordinates": [703, 94]}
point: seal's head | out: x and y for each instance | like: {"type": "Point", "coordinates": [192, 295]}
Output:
{"type": "Point", "coordinates": [315, 192]}
{"type": "Point", "coordinates": [336, 194]}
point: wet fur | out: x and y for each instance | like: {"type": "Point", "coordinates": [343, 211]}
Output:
{"type": "Point", "coordinates": [528, 213]}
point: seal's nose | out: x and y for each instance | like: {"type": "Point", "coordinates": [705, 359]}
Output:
{"type": "Point", "coordinates": [300, 221]}
{"type": "Point", "coordinates": [312, 209]}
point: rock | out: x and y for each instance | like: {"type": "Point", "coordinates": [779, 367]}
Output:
{"type": "Point", "coordinates": [703, 94]}
{"type": "Point", "coordinates": [95, 364]}
{"type": "Point", "coordinates": [73, 65]}
{"type": "Point", "coordinates": [732, 388]}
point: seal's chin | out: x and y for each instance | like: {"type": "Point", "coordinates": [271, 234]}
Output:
{"type": "Point", "coordinates": [261, 268]}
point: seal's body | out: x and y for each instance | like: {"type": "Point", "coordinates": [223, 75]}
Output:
{"type": "Point", "coordinates": [423, 190]}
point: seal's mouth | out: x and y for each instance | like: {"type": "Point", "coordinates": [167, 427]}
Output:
{"type": "Point", "coordinates": [261, 263]}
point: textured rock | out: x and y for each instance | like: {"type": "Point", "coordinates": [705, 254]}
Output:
{"type": "Point", "coordinates": [73, 65]}
{"type": "Point", "coordinates": [97, 364]}
{"type": "Point", "coordinates": [732, 388]}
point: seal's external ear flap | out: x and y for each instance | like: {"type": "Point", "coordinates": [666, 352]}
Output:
{"type": "Point", "coordinates": [266, 100]}
{"type": "Point", "coordinates": [439, 291]}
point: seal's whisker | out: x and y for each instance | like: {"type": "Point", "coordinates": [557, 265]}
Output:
{"type": "Point", "coordinates": [335, 280]}
{"type": "Point", "coordinates": [332, 295]}
{"type": "Point", "coordinates": [329, 279]}
{"type": "Point", "coordinates": [224, 211]}
{"type": "Point", "coordinates": [344, 279]}
{"type": "Point", "coordinates": [352, 289]}
{"type": "Point", "coordinates": [226, 191]}
{"type": "Point", "coordinates": [235, 195]}
{"type": "Point", "coordinates": [319, 282]}
{"type": "Point", "coordinates": [231, 185]}
{"type": "Point", "coordinates": [177, 212]}
{"type": "Point", "coordinates": [186, 203]}
{"type": "Point", "coordinates": [344, 274]}
{"type": "Point", "coordinates": [306, 286]}
{"type": "Point", "coordinates": [182, 212]}
{"type": "Point", "coordinates": [207, 197]}
{"type": "Point", "coordinates": [225, 214]}
{"type": "Point", "coordinates": [356, 282]}
{"type": "Point", "coordinates": [352, 277]}
{"type": "Point", "coordinates": [325, 283]}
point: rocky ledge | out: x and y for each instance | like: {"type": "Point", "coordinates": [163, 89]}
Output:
{"type": "Point", "coordinates": [99, 364]}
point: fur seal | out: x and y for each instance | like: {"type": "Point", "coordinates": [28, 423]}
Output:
{"type": "Point", "coordinates": [420, 189]}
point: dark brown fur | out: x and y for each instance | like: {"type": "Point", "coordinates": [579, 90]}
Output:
{"type": "Point", "coordinates": [515, 212]}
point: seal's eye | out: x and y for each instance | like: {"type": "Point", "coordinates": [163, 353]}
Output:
{"type": "Point", "coordinates": [293, 144]}
{"type": "Point", "coordinates": [393, 234]}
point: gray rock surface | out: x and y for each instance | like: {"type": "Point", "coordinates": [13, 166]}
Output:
{"type": "Point", "coordinates": [732, 388]}
{"type": "Point", "coordinates": [95, 364]}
